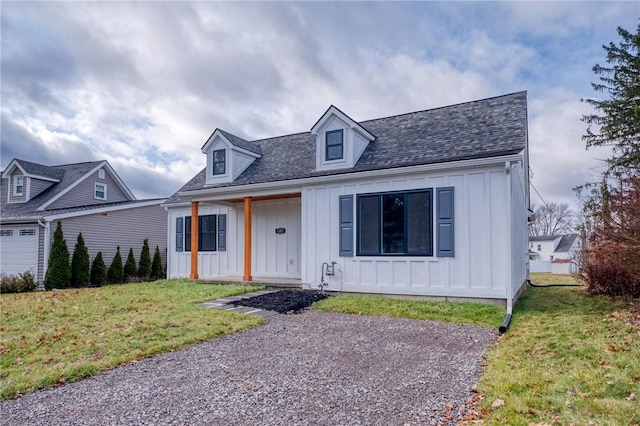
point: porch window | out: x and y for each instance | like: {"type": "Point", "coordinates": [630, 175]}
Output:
{"type": "Point", "coordinates": [398, 223]}
{"type": "Point", "coordinates": [207, 233]}
{"type": "Point", "coordinates": [219, 162]}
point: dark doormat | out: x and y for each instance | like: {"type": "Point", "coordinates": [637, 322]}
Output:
{"type": "Point", "coordinates": [282, 301]}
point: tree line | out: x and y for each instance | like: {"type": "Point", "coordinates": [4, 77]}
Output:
{"type": "Point", "coordinates": [66, 271]}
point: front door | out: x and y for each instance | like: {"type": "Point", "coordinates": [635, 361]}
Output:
{"type": "Point", "coordinates": [276, 238]}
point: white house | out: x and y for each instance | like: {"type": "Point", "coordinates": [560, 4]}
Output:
{"type": "Point", "coordinates": [429, 203]}
{"type": "Point", "coordinates": [554, 253]}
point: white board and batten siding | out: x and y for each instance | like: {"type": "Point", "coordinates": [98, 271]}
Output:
{"type": "Point", "coordinates": [125, 228]}
{"type": "Point", "coordinates": [480, 268]}
{"type": "Point", "coordinates": [275, 254]}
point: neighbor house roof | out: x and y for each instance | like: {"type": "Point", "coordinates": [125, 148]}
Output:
{"type": "Point", "coordinates": [566, 243]}
{"type": "Point", "coordinates": [537, 238]}
{"type": "Point", "coordinates": [486, 128]}
{"type": "Point", "coordinates": [66, 175]}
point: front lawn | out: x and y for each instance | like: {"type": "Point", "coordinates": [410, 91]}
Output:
{"type": "Point", "coordinates": [568, 358]}
{"type": "Point", "coordinates": [49, 338]}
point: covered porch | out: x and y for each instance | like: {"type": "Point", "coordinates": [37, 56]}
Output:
{"type": "Point", "coordinates": [263, 237]}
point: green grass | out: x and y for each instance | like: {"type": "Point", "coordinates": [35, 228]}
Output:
{"type": "Point", "coordinates": [456, 312]}
{"type": "Point", "coordinates": [545, 278]}
{"type": "Point", "coordinates": [567, 359]}
{"type": "Point", "coordinates": [48, 338]}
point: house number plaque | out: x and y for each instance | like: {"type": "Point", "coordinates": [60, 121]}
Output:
{"type": "Point", "coordinates": [280, 230]}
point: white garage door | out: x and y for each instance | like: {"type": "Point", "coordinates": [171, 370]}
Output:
{"type": "Point", "coordinates": [18, 249]}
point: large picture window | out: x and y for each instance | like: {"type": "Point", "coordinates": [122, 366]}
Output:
{"type": "Point", "coordinates": [207, 233]}
{"type": "Point", "coordinates": [397, 223]}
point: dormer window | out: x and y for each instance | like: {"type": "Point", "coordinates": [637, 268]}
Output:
{"type": "Point", "coordinates": [18, 185]}
{"type": "Point", "coordinates": [100, 191]}
{"type": "Point", "coordinates": [219, 162]}
{"type": "Point", "coordinates": [334, 145]}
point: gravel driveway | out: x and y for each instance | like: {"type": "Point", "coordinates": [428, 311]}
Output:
{"type": "Point", "coordinates": [315, 368]}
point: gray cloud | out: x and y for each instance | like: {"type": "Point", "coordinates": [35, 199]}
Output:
{"type": "Point", "coordinates": [144, 84]}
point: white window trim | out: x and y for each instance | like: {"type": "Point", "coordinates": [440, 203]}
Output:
{"type": "Point", "coordinates": [15, 185]}
{"type": "Point", "coordinates": [95, 191]}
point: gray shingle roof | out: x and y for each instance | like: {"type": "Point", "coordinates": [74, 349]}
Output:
{"type": "Point", "coordinates": [40, 169]}
{"type": "Point", "coordinates": [544, 238]}
{"type": "Point", "coordinates": [68, 175]}
{"type": "Point", "coordinates": [241, 143]}
{"type": "Point", "coordinates": [566, 243]}
{"type": "Point", "coordinates": [484, 128]}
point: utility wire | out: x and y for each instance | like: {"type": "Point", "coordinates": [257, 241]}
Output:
{"type": "Point", "coordinates": [534, 188]}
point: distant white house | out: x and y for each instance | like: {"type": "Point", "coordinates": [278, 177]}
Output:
{"type": "Point", "coordinates": [554, 253]}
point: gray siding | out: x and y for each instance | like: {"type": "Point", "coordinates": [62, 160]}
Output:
{"type": "Point", "coordinates": [126, 228]}
{"type": "Point", "coordinates": [19, 199]}
{"type": "Point", "coordinates": [82, 195]}
{"type": "Point", "coordinates": [37, 186]}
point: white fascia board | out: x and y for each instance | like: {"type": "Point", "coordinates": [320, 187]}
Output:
{"type": "Point", "coordinates": [9, 169]}
{"type": "Point", "coordinates": [332, 110]}
{"type": "Point", "coordinates": [288, 186]}
{"type": "Point", "coordinates": [244, 151]}
{"type": "Point", "coordinates": [43, 178]}
{"type": "Point", "coordinates": [209, 141]}
{"type": "Point", "coordinates": [99, 210]}
{"type": "Point", "coordinates": [119, 181]}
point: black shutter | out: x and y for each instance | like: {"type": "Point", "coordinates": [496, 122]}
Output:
{"type": "Point", "coordinates": [444, 222]}
{"type": "Point", "coordinates": [222, 232]}
{"type": "Point", "coordinates": [187, 233]}
{"type": "Point", "coordinates": [346, 225]}
{"type": "Point", "coordinates": [179, 234]}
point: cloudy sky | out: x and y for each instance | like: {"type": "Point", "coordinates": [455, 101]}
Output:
{"type": "Point", "coordinates": [143, 84]}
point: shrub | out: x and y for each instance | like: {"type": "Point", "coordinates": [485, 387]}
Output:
{"type": "Point", "coordinates": [157, 271]}
{"type": "Point", "coordinates": [59, 269]}
{"type": "Point", "coordinates": [607, 270]}
{"type": "Point", "coordinates": [98, 271]}
{"type": "Point", "coordinates": [20, 283]}
{"type": "Point", "coordinates": [144, 268]}
{"type": "Point", "coordinates": [116, 270]}
{"type": "Point", "coordinates": [130, 266]}
{"type": "Point", "coordinates": [80, 264]}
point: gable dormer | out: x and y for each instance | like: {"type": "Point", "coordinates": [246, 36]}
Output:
{"type": "Point", "coordinates": [340, 140]}
{"type": "Point", "coordinates": [25, 180]}
{"type": "Point", "coordinates": [228, 156]}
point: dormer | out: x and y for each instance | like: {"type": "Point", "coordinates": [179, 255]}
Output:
{"type": "Point", "coordinates": [340, 140]}
{"type": "Point", "coordinates": [228, 156]}
{"type": "Point", "coordinates": [25, 180]}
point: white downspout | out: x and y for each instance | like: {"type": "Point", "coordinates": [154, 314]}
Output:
{"type": "Point", "coordinates": [507, 319]}
{"type": "Point", "coordinates": [168, 242]}
{"type": "Point", "coordinates": [47, 244]}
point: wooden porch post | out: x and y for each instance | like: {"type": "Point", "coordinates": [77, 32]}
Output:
{"type": "Point", "coordinates": [247, 239]}
{"type": "Point", "coordinates": [194, 240]}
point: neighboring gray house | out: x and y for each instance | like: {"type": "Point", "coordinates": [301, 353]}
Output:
{"type": "Point", "coordinates": [429, 203]}
{"type": "Point", "coordinates": [554, 253]}
{"type": "Point", "coordinates": [87, 197]}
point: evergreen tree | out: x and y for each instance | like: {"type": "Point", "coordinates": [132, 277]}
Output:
{"type": "Point", "coordinates": [59, 269]}
{"type": "Point", "coordinates": [80, 264]}
{"type": "Point", "coordinates": [618, 117]}
{"type": "Point", "coordinates": [130, 266]}
{"type": "Point", "coordinates": [116, 270]}
{"type": "Point", "coordinates": [98, 271]}
{"type": "Point", "coordinates": [144, 268]}
{"type": "Point", "coordinates": [157, 271]}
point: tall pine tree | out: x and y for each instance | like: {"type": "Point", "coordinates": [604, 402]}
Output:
{"type": "Point", "coordinates": [59, 268]}
{"type": "Point", "coordinates": [80, 264]}
{"type": "Point", "coordinates": [617, 117]}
